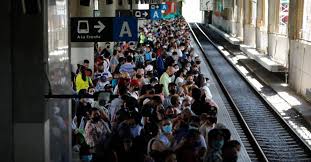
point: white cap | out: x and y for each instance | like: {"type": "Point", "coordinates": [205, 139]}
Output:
{"type": "Point", "coordinates": [146, 101]}
{"type": "Point", "coordinates": [149, 68]}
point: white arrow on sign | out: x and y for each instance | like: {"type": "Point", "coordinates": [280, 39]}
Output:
{"type": "Point", "coordinates": [145, 13]}
{"type": "Point", "coordinates": [100, 26]}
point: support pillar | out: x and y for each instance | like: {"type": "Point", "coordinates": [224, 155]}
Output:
{"type": "Point", "coordinates": [81, 50]}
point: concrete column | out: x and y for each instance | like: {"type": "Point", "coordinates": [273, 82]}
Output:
{"type": "Point", "coordinates": [84, 50]}
{"type": "Point", "coordinates": [25, 84]}
{"type": "Point", "coordinates": [6, 126]}
{"type": "Point", "coordinates": [261, 27]}
{"type": "Point", "coordinates": [249, 28]}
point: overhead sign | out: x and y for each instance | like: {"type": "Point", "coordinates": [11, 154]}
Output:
{"type": "Point", "coordinates": [139, 14]}
{"type": "Point", "coordinates": [155, 6]}
{"type": "Point", "coordinates": [163, 7]}
{"type": "Point", "coordinates": [91, 29]}
{"type": "Point", "coordinates": [155, 14]}
{"type": "Point", "coordinates": [206, 5]}
{"type": "Point", "coordinates": [104, 29]}
{"type": "Point", "coordinates": [125, 29]}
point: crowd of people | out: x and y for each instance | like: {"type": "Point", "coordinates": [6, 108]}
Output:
{"type": "Point", "coordinates": [147, 101]}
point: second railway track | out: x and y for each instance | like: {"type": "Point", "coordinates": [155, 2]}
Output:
{"type": "Point", "coordinates": [273, 136]}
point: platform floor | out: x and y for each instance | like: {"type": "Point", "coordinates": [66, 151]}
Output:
{"type": "Point", "coordinates": [223, 115]}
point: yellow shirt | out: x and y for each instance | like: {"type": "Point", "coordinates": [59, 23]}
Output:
{"type": "Point", "coordinates": [81, 84]}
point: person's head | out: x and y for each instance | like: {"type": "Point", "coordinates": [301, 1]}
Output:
{"type": "Point", "coordinates": [196, 93]}
{"type": "Point", "coordinates": [209, 120]}
{"type": "Point", "coordinates": [107, 55]}
{"type": "Point", "coordinates": [194, 122]}
{"type": "Point", "coordinates": [186, 114]}
{"type": "Point", "coordinates": [170, 71]}
{"type": "Point", "coordinates": [129, 59]}
{"type": "Point", "coordinates": [175, 101]}
{"type": "Point", "coordinates": [86, 63]}
{"type": "Point", "coordinates": [127, 144]}
{"type": "Point", "coordinates": [172, 88]}
{"type": "Point", "coordinates": [215, 139]}
{"type": "Point", "coordinates": [122, 90]}
{"type": "Point", "coordinates": [121, 60]}
{"type": "Point", "coordinates": [179, 73]}
{"type": "Point", "coordinates": [176, 66]}
{"type": "Point", "coordinates": [153, 81]}
{"type": "Point", "coordinates": [100, 67]}
{"type": "Point", "coordinates": [190, 79]}
{"type": "Point", "coordinates": [95, 115]}
{"type": "Point", "coordinates": [192, 137]}
{"type": "Point", "coordinates": [88, 72]}
{"type": "Point", "coordinates": [230, 151]}
{"type": "Point", "coordinates": [188, 66]}
{"type": "Point", "coordinates": [186, 102]}
{"type": "Point", "coordinates": [131, 103]}
{"type": "Point", "coordinates": [166, 126]}
{"type": "Point", "coordinates": [158, 88]}
{"type": "Point", "coordinates": [135, 85]}
{"type": "Point", "coordinates": [148, 49]}
{"type": "Point", "coordinates": [156, 100]}
{"type": "Point", "coordinates": [150, 130]}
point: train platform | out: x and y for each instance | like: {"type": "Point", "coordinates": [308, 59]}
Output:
{"type": "Point", "coordinates": [294, 108]}
{"type": "Point", "coordinates": [223, 116]}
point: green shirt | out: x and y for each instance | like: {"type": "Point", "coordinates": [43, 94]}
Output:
{"type": "Point", "coordinates": [165, 80]}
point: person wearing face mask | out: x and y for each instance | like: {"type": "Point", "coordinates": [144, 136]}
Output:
{"type": "Point", "coordinates": [96, 129]}
{"type": "Point", "coordinates": [165, 79]}
{"type": "Point", "coordinates": [188, 66]}
{"type": "Point", "coordinates": [215, 144]}
{"type": "Point", "coordinates": [167, 137]}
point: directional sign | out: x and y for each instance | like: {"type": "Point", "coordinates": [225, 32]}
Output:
{"type": "Point", "coordinates": [125, 29]}
{"type": "Point", "coordinates": [91, 29]}
{"type": "Point", "coordinates": [139, 14]}
{"type": "Point", "coordinates": [163, 7]}
{"type": "Point", "coordinates": [155, 14]}
{"type": "Point", "coordinates": [155, 6]}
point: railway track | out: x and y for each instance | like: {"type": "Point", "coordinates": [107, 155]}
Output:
{"type": "Point", "coordinates": [269, 136]}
